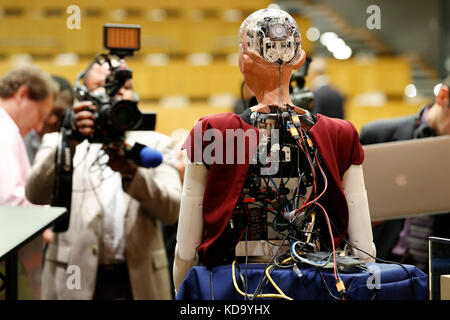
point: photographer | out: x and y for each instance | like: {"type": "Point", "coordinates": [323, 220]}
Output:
{"type": "Point", "coordinates": [113, 248]}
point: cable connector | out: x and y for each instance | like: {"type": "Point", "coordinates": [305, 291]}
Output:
{"type": "Point", "coordinates": [249, 200]}
{"type": "Point", "coordinates": [296, 120]}
{"type": "Point", "coordinates": [340, 287]}
{"type": "Point", "coordinates": [293, 130]}
{"type": "Point", "coordinates": [297, 271]}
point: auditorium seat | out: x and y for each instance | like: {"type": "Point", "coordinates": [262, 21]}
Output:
{"type": "Point", "coordinates": [389, 75]}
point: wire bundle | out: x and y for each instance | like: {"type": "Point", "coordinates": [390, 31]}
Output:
{"type": "Point", "coordinates": [293, 211]}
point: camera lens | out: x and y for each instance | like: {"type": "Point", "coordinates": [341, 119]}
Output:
{"type": "Point", "coordinates": [125, 115]}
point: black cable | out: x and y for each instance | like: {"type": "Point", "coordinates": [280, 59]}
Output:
{"type": "Point", "coordinates": [242, 280]}
{"type": "Point", "coordinates": [372, 274]}
{"type": "Point", "coordinates": [413, 289]}
{"type": "Point", "coordinates": [280, 116]}
{"type": "Point", "coordinates": [244, 102]}
{"type": "Point", "coordinates": [282, 257]}
{"type": "Point", "coordinates": [211, 285]}
{"type": "Point", "coordinates": [246, 261]}
{"type": "Point", "coordinates": [331, 235]}
{"type": "Point", "coordinates": [326, 285]}
{"type": "Point", "coordinates": [263, 276]}
{"type": "Point", "coordinates": [308, 154]}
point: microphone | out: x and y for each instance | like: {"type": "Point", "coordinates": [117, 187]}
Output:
{"type": "Point", "coordinates": [144, 156]}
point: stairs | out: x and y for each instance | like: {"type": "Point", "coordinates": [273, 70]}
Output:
{"type": "Point", "coordinates": [424, 78]}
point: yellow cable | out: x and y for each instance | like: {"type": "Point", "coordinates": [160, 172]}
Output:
{"type": "Point", "coordinates": [313, 219]}
{"type": "Point", "coordinates": [270, 295]}
{"type": "Point", "coordinates": [264, 295]}
{"type": "Point", "coordinates": [283, 295]}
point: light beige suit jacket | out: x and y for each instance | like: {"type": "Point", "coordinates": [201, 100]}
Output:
{"type": "Point", "coordinates": [153, 196]}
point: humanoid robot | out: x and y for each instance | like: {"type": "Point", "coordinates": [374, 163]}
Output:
{"type": "Point", "coordinates": [301, 167]}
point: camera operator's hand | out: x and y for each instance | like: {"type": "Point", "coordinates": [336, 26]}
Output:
{"type": "Point", "coordinates": [84, 117]}
{"type": "Point", "coordinates": [118, 162]}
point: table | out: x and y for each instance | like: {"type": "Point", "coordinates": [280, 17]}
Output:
{"type": "Point", "coordinates": [18, 225]}
{"type": "Point", "coordinates": [386, 282]}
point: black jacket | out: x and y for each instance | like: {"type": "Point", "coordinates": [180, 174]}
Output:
{"type": "Point", "coordinates": [389, 130]}
{"type": "Point", "coordinates": [329, 102]}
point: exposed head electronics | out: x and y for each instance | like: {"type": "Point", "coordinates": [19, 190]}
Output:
{"type": "Point", "coordinates": [272, 34]}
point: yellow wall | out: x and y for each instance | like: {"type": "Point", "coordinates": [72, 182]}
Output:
{"type": "Point", "coordinates": [360, 115]}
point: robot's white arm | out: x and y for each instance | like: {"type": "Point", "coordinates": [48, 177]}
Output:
{"type": "Point", "coordinates": [359, 226]}
{"type": "Point", "coordinates": [190, 221]}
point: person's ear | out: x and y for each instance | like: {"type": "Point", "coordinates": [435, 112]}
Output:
{"type": "Point", "coordinates": [300, 60]}
{"type": "Point", "coordinates": [21, 93]}
{"type": "Point", "coordinates": [442, 96]}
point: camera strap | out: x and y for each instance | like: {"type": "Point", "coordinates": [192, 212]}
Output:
{"type": "Point", "coordinates": [62, 193]}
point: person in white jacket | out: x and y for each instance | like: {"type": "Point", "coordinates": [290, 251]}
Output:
{"type": "Point", "coordinates": [113, 248]}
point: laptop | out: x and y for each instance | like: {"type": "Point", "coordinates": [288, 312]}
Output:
{"type": "Point", "coordinates": [408, 178]}
{"type": "Point", "coordinates": [439, 264]}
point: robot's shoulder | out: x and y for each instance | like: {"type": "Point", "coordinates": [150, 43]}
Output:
{"type": "Point", "coordinates": [335, 126]}
{"type": "Point", "coordinates": [223, 121]}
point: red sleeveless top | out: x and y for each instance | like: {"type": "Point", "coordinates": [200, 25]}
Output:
{"type": "Point", "coordinates": [336, 140]}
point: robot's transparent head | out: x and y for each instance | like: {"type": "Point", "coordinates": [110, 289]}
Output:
{"type": "Point", "coordinates": [271, 34]}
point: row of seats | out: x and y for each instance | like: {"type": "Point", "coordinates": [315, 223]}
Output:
{"type": "Point", "coordinates": [385, 75]}
{"type": "Point", "coordinates": [23, 30]}
{"type": "Point", "coordinates": [388, 75]}
{"type": "Point", "coordinates": [171, 80]}
{"type": "Point", "coordinates": [173, 37]}
{"type": "Point", "coordinates": [113, 4]}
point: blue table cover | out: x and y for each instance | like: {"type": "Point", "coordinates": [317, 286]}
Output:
{"type": "Point", "coordinates": [385, 282]}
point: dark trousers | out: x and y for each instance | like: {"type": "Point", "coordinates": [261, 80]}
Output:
{"type": "Point", "coordinates": [113, 283]}
{"type": "Point", "coordinates": [385, 237]}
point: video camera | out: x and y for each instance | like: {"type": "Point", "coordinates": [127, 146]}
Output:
{"type": "Point", "coordinates": [114, 117]}
{"type": "Point", "coordinates": [301, 97]}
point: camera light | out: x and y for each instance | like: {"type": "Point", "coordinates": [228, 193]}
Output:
{"type": "Point", "coordinates": [122, 36]}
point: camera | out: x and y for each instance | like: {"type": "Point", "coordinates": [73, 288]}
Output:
{"type": "Point", "coordinates": [301, 97]}
{"type": "Point", "coordinates": [114, 117]}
